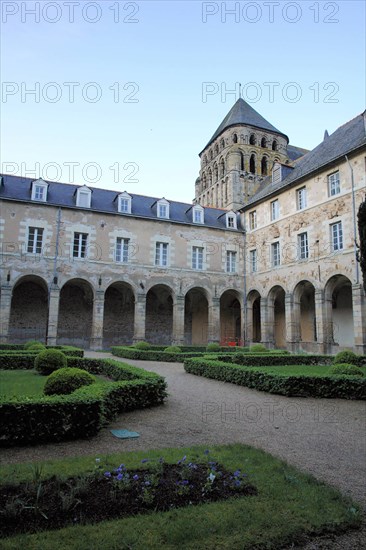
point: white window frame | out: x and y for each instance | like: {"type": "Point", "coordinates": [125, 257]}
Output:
{"type": "Point", "coordinates": [253, 220]}
{"type": "Point", "coordinates": [197, 257]}
{"type": "Point", "coordinates": [336, 236]}
{"type": "Point", "coordinates": [198, 214]}
{"type": "Point", "coordinates": [334, 184]}
{"type": "Point", "coordinates": [275, 210]}
{"type": "Point", "coordinates": [253, 261]}
{"type": "Point", "coordinates": [163, 209]}
{"type": "Point", "coordinates": [301, 198]}
{"type": "Point", "coordinates": [231, 222]}
{"type": "Point", "coordinates": [161, 254]}
{"type": "Point", "coordinates": [230, 261]}
{"type": "Point", "coordinates": [276, 173]}
{"type": "Point", "coordinates": [80, 245]}
{"type": "Point", "coordinates": [303, 245]}
{"type": "Point", "coordinates": [275, 254]}
{"type": "Point", "coordinates": [121, 250]}
{"type": "Point", "coordinates": [35, 240]}
{"type": "Point", "coordinates": [83, 193]}
{"type": "Point", "coordinates": [39, 191]}
{"type": "Point", "coordinates": [124, 203]}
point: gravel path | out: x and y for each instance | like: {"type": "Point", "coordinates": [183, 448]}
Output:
{"type": "Point", "coordinates": [325, 437]}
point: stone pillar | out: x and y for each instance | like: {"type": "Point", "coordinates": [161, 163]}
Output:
{"type": "Point", "coordinates": [214, 321]}
{"type": "Point", "coordinates": [98, 315]}
{"type": "Point", "coordinates": [267, 335]}
{"type": "Point", "coordinates": [248, 329]}
{"type": "Point", "coordinates": [140, 318]}
{"type": "Point", "coordinates": [321, 333]}
{"type": "Point", "coordinates": [292, 322]}
{"type": "Point", "coordinates": [329, 343]}
{"type": "Point", "coordinates": [178, 321]}
{"type": "Point", "coordinates": [53, 306]}
{"type": "Point", "coordinates": [359, 318]}
{"type": "Point", "coordinates": [5, 305]}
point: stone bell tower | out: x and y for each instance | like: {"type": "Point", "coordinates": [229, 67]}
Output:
{"type": "Point", "coordinates": [239, 157]}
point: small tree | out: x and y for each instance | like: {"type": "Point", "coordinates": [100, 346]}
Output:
{"type": "Point", "coordinates": [362, 234]}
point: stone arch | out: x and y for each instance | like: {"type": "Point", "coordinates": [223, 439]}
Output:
{"type": "Point", "coordinates": [274, 145]}
{"type": "Point", "coordinates": [252, 164]}
{"type": "Point", "coordinates": [263, 142]}
{"type": "Point", "coordinates": [196, 316]}
{"type": "Point", "coordinates": [216, 172]}
{"type": "Point", "coordinates": [252, 139]}
{"type": "Point", "coordinates": [204, 181]}
{"type": "Point", "coordinates": [277, 316]}
{"type": "Point", "coordinates": [29, 310]}
{"type": "Point", "coordinates": [264, 166]}
{"type": "Point", "coordinates": [254, 329]}
{"type": "Point", "coordinates": [119, 314]}
{"type": "Point", "coordinates": [222, 144]}
{"type": "Point", "coordinates": [235, 138]}
{"type": "Point", "coordinates": [216, 149]}
{"type": "Point", "coordinates": [339, 311]}
{"type": "Point", "coordinates": [75, 316]}
{"type": "Point", "coordinates": [209, 177]}
{"type": "Point", "coordinates": [159, 315]}
{"type": "Point", "coordinates": [304, 314]}
{"type": "Point", "coordinates": [222, 167]}
{"type": "Point", "coordinates": [230, 317]}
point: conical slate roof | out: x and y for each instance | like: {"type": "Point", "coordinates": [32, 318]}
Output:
{"type": "Point", "coordinates": [243, 114]}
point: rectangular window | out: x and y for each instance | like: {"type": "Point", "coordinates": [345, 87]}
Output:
{"type": "Point", "coordinates": [124, 205]}
{"type": "Point", "coordinates": [337, 236]}
{"type": "Point", "coordinates": [276, 259]}
{"type": "Point", "coordinates": [231, 261]}
{"type": "Point", "coordinates": [84, 200]}
{"type": "Point", "coordinates": [231, 222]}
{"type": "Point", "coordinates": [253, 220]}
{"type": "Point", "coordinates": [163, 211]}
{"type": "Point", "coordinates": [80, 242]}
{"type": "Point", "coordinates": [275, 210]}
{"type": "Point", "coordinates": [161, 254]}
{"type": "Point", "coordinates": [253, 261]}
{"type": "Point", "coordinates": [35, 236]}
{"type": "Point", "coordinates": [334, 187]}
{"type": "Point", "coordinates": [301, 198]}
{"type": "Point", "coordinates": [122, 250]}
{"type": "Point", "coordinates": [197, 257]}
{"type": "Point", "coordinates": [39, 192]}
{"type": "Point", "coordinates": [197, 215]}
{"type": "Point", "coordinates": [303, 245]}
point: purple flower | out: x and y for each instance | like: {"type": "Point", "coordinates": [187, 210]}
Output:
{"type": "Point", "coordinates": [206, 452]}
{"type": "Point", "coordinates": [237, 473]}
{"type": "Point", "coordinates": [119, 477]}
{"type": "Point", "coordinates": [185, 482]}
{"type": "Point", "coordinates": [107, 474]}
{"type": "Point", "coordinates": [147, 483]}
{"type": "Point", "coordinates": [135, 477]}
{"type": "Point", "coordinates": [184, 458]}
{"type": "Point", "coordinates": [144, 460]}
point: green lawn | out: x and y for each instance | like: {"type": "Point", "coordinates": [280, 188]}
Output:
{"type": "Point", "coordinates": [289, 506]}
{"type": "Point", "coordinates": [24, 382]}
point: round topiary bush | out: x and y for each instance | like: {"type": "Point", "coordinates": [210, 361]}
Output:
{"type": "Point", "coordinates": [142, 345]}
{"type": "Point", "coordinates": [213, 346]}
{"type": "Point", "coordinates": [173, 349]}
{"type": "Point", "coordinates": [258, 347]}
{"type": "Point", "coordinates": [67, 380]}
{"type": "Point", "coordinates": [31, 343]}
{"type": "Point", "coordinates": [50, 360]}
{"type": "Point", "coordinates": [37, 346]}
{"type": "Point", "coordinates": [345, 368]}
{"type": "Point", "coordinates": [346, 356]}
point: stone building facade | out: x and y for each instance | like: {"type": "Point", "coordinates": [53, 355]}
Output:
{"type": "Point", "coordinates": [266, 252]}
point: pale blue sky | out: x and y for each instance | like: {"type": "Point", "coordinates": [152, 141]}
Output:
{"type": "Point", "coordinates": [168, 53]}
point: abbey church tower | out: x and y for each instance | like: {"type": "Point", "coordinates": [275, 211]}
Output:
{"type": "Point", "coordinates": [238, 158]}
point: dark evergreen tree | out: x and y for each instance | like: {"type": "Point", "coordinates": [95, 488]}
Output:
{"type": "Point", "coordinates": [362, 234]}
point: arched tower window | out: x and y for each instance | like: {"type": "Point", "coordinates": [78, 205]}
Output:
{"type": "Point", "coordinates": [204, 181]}
{"type": "Point", "coordinates": [235, 138]}
{"type": "Point", "coordinates": [209, 178]}
{"type": "Point", "coordinates": [222, 144]}
{"type": "Point", "coordinates": [274, 145]}
{"type": "Point", "coordinates": [222, 168]}
{"type": "Point", "coordinates": [216, 172]}
{"type": "Point", "coordinates": [264, 166]}
{"type": "Point", "coordinates": [252, 139]}
{"type": "Point", "coordinates": [252, 164]}
{"type": "Point", "coordinates": [205, 160]}
{"type": "Point", "coordinates": [264, 142]}
{"type": "Point", "coordinates": [241, 161]}
{"type": "Point", "coordinates": [211, 154]}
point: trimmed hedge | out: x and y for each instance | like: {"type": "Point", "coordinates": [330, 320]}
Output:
{"type": "Point", "coordinates": [84, 412]}
{"type": "Point", "coordinates": [346, 369]}
{"type": "Point", "coordinates": [291, 386]}
{"type": "Point", "coordinates": [14, 360]}
{"type": "Point", "coordinates": [152, 355]}
{"type": "Point", "coordinates": [276, 359]}
{"type": "Point", "coordinates": [67, 380]}
{"type": "Point", "coordinates": [19, 348]}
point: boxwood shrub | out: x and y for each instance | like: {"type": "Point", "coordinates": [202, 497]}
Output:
{"type": "Point", "coordinates": [66, 380]}
{"type": "Point", "coordinates": [346, 356]}
{"type": "Point", "coordinates": [50, 360]}
{"type": "Point", "coordinates": [345, 368]}
{"type": "Point", "coordinates": [23, 359]}
{"type": "Point", "coordinates": [289, 385]}
{"type": "Point", "coordinates": [84, 412]}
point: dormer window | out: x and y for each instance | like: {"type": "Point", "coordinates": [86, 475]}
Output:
{"type": "Point", "coordinates": [124, 203]}
{"type": "Point", "coordinates": [163, 209]}
{"type": "Point", "coordinates": [231, 220]}
{"type": "Point", "coordinates": [197, 214]}
{"type": "Point", "coordinates": [276, 173]}
{"type": "Point", "coordinates": [83, 197]}
{"type": "Point", "coordinates": [39, 190]}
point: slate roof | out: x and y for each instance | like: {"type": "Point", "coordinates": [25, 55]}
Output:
{"type": "Point", "coordinates": [17, 188]}
{"type": "Point", "coordinates": [243, 114]}
{"type": "Point", "coordinates": [344, 140]}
